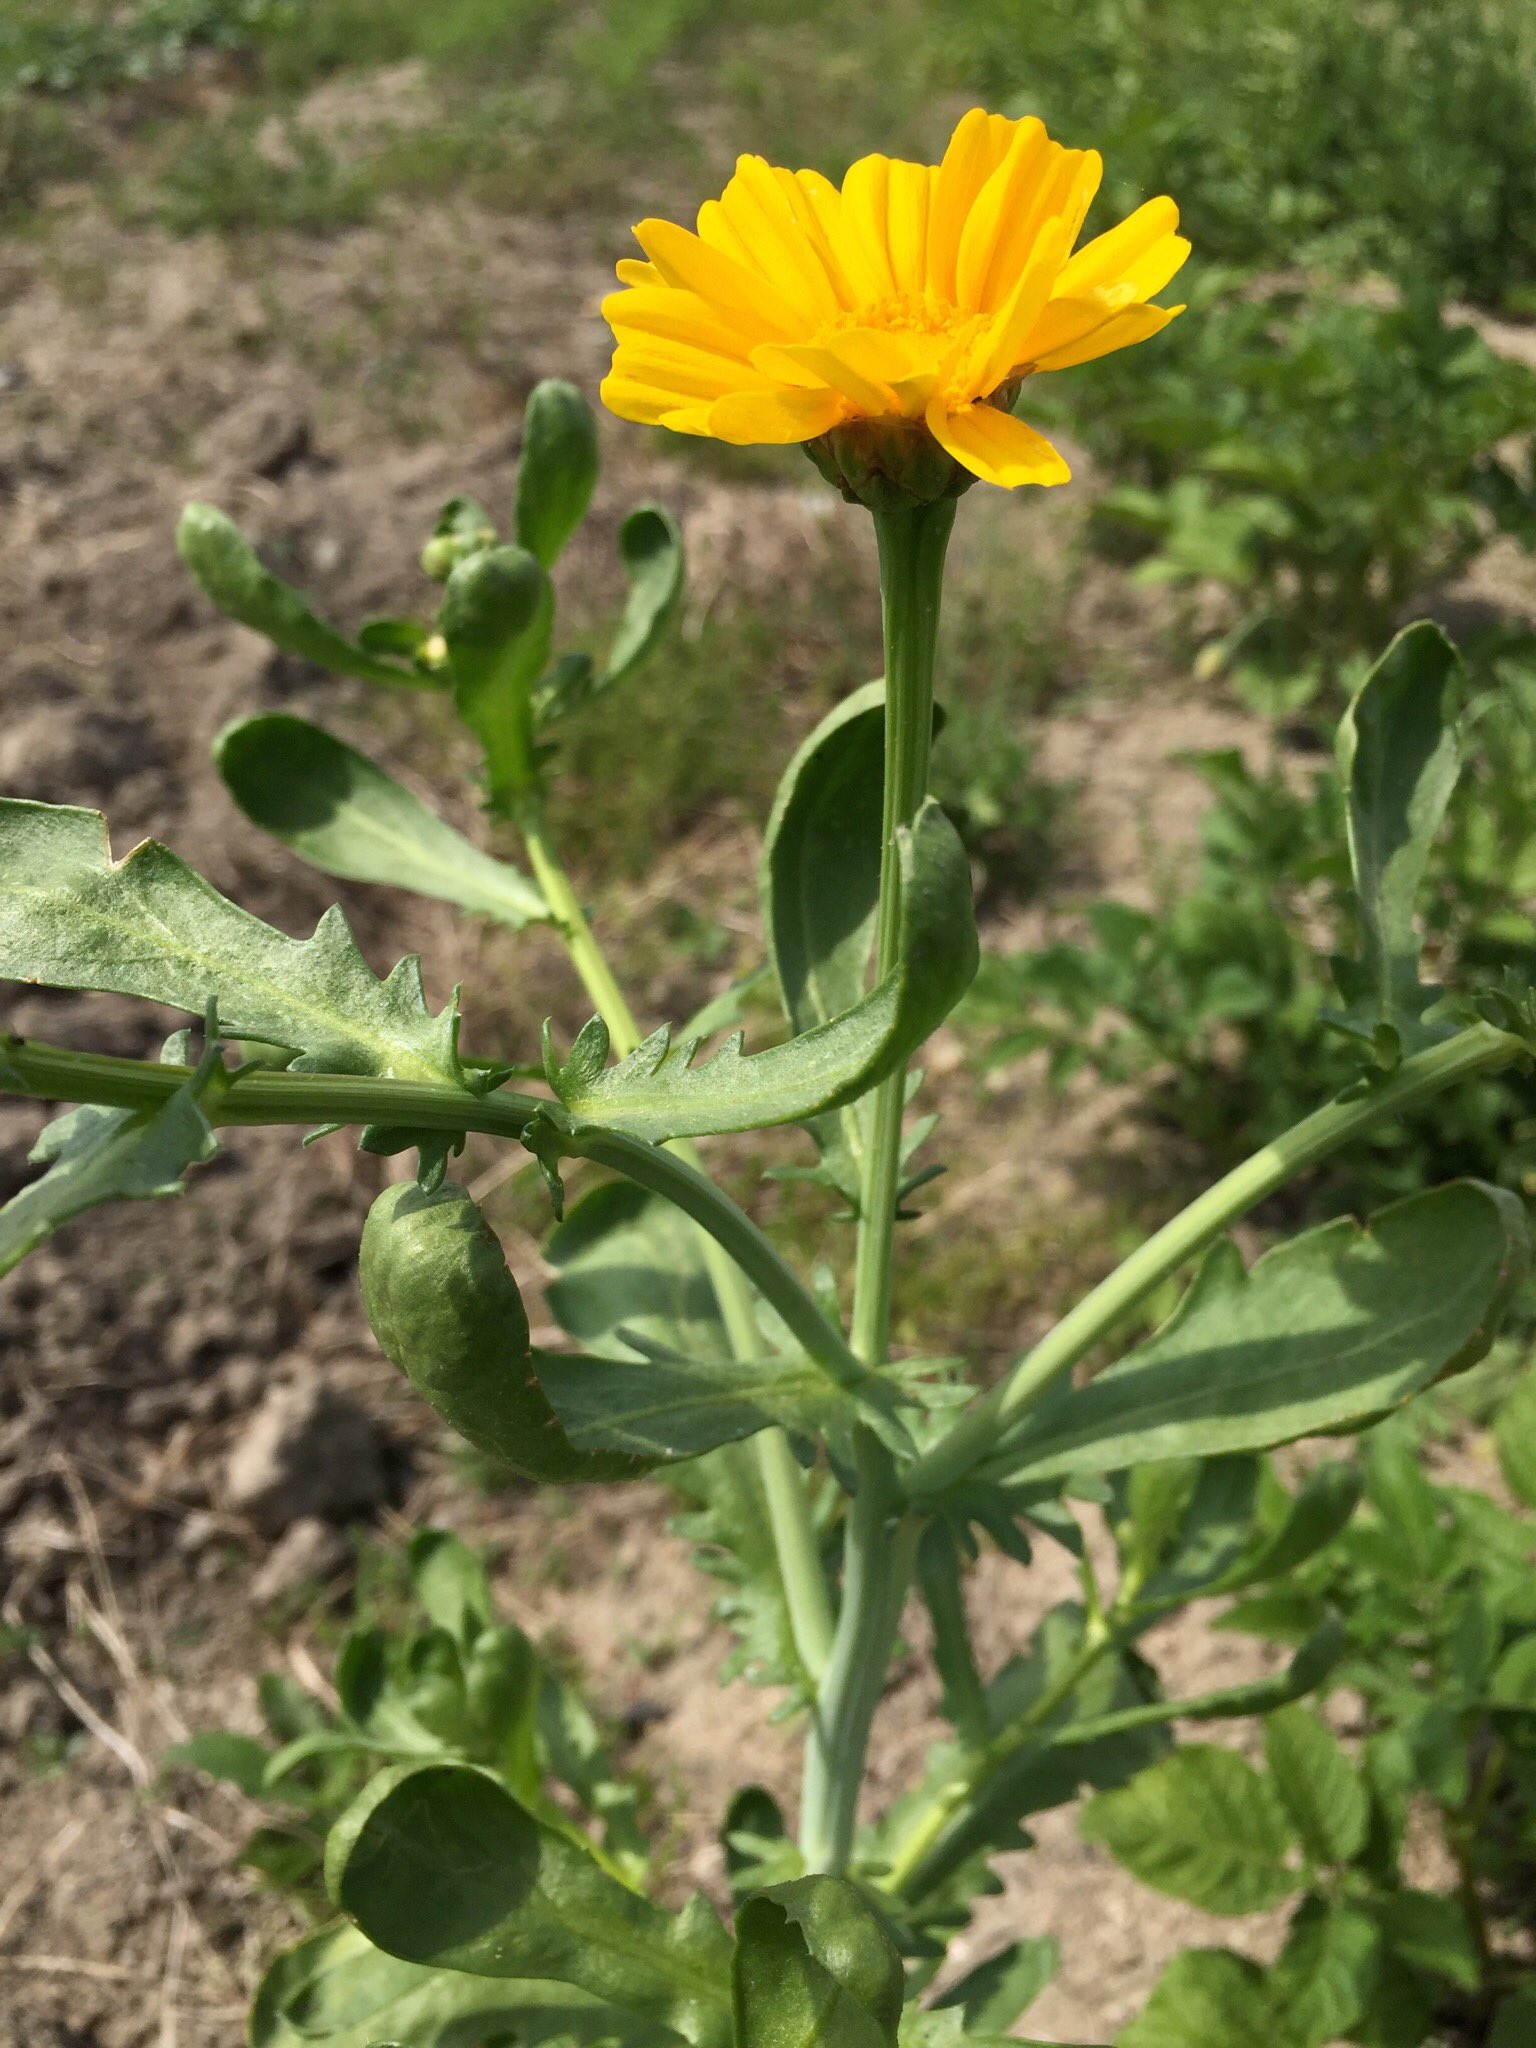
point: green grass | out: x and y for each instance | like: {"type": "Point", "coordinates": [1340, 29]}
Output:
{"type": "Point", "coordinates": [1400, 136]}
{"type": "Point", "coordinates": [228, 180]}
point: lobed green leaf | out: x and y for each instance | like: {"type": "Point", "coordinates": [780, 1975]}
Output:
{"type": "Point", "coordinates": [659, 1093]}
{"type": "Point", "coordinates": [96, 1155]}
{"type": "Point", "coordinates": [149, 926]}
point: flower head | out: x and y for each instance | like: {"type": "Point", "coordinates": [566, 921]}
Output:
{"type": "Point", "coordinates": [888, 323]}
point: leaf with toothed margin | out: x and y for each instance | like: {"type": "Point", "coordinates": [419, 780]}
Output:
{"type": "Point", "coordinates": [150, 926]}
{"type": "Point", "coordinates": [659, 1093]}
{"type": "Point", "coordinates": [95, 1155]}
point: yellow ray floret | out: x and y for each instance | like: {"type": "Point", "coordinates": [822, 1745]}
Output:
{"type": "Point", "coordinates": [918, 293]}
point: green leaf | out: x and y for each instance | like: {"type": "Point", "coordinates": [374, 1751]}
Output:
{"type": "Point", "coordinates": [630, 1265]}
{"type": "Point", "coordinates": [1514, 1433]}
{"type": "Point", "coordinates": [497, 617]}
{"type": "Point", "coordinates": [1513, 1679]}
{"type": "Point", "coordinates": [1321, 1510]}
{"type": "Point", "coordinates": [753, 1835]}
{"type": "Point", "coordinates": [556, 470]}
{"type": "Point", "coordinates": [1430, 1932]}
{"type": "Point", "coordinates": [98, 1155]}
{"type": "Point", "coordinates": [1399, 756]}
{"type": "Point", "coordinates": [1325, 1975]}
{"type": "Point", "coordinates": [1514, 2024]}
{"type": "Point", "coordinates": [819, 877]}
{"type": "Point", "coordinates": [814, 1969]}
{"type": "Point", "coordinates": [440, 1865]}
{"type": "Point", "coordinates": [1318, 1785]}
{"type": "Point", "coordinates": [149, 926]}
{"type": "Point", "coordinates": [334, 1989]}
{"type": "Point", "coordinates": [1202, 1825]}
{"type": "Point", "coordinates": [1338, 1325]}
{"type": "Point", "coordinates": [628, 1262]}
{"type": "Point", "coordinates": [994, 1994]}
{"type": "Point", "coordinates": [658, 1093]}
{"type": "Point", "coordinates": [450, 1584]}
{"type": "Point", "coordinates": [1206, 1998]}
{"type": "Point", "coordinates": [651, 550]}
{"type": "Point", "coordinates": [234, 1759]}
{"type": "Point", "coordinates": [819, 885]}
{"type": "Point", "coordinates": [963, 1699]}
{"type": "Point", "coordinates": [230, 571]}
{"type": "Point", "coordinates": [1312, 1663]}
{"type": "Point", "coordinates": [347, 817]}
{"type": "Point", "coordinates": [671, 1408]}
{"type": "Point", "coordinates": [731, 1531]}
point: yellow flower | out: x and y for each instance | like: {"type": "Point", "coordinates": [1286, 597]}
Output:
{"type": "Point", "coordinates": [916, 297]}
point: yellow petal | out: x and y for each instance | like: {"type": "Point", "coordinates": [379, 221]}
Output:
{"type": "Point", "coordinates": [674, 365]}
{"type": "Point", "coordinates": [977, 147]}
{"type": "Point", "coordinates": [907, 196]}
{"type": "Point", "coordinates": [777, 416]}
{"type": "Point", "coordinates": [1031, 153]}
{"type": "Point", "coordinates": [868, 365]}
{"type": "Point", "coordinates": [817, 206]}
{"type": "Point", "coordinates": [634, 270]}
{"type": "Point", "coordinates": [775, 243]}
{"type": "Point", "coordinates": [643, 403]}
{"type": "Point", "coordinates": [674, 315]}
{"type": "Point", "coordinates": [1066, 321]}
{"type": "Point", "coordinates": [865, 215]}
{"type": "Point", "coordinates": [1064, 192]}
{"type": "Point", "coordinates": [1109, 257]}
{"type": "Point", "coordinates": [1001, 349]}
{"type": "Point", "coordinates": [684, 260]}
{"type": "Point", "coordinates": [1135, 323]}
{"type": "Point", "coordinates": [805, 364]}
{"type": "Point", "coordinates": [996, 447]}
{"type": "Point", "coordinates": [1164, 260]}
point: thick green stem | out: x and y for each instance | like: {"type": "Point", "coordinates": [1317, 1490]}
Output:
{"type": "Point", "coordinates": [978, 1433]}
{"type": "Point", "coordinates": [876, 1573]}
{"type": "Point", "coordinates": [912, 549]}
{"type": "Point", "coordinates": [880, 1542]}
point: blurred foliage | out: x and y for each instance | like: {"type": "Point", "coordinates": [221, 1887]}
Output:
{"type": "Point", "coordinates": [1216, 999]}
{"type": "Point", "coordinates": [1324, 462]}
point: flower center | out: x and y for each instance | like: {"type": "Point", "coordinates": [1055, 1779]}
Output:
{"type": "Point", "coordinates": [908, 313]}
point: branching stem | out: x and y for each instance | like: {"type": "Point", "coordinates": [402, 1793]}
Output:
{"type": "Point", "coordinates": [784, 1484]}
{"type": "Point", "coordinates": [980, 1430]}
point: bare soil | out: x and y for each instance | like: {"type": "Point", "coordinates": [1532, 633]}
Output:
{"type": "Point", "coordinates": [331, 394]}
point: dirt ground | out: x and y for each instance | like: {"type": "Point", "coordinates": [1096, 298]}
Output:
{"type": "Point", "coordinates": [141, 370]}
